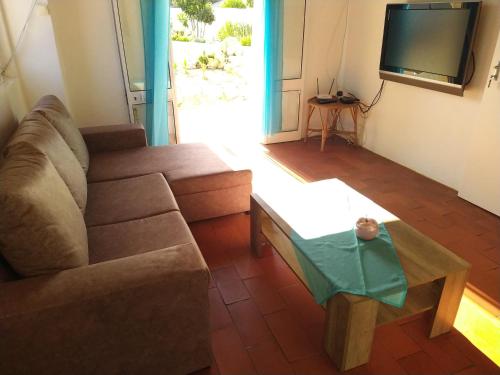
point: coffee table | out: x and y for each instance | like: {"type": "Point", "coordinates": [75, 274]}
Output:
{"type": "Point", "coordinates": [436, 276]}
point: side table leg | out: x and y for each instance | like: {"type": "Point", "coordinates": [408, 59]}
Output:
{"type": "Point", "coordinates": [349, 330]}
{"type": "Point", "coordinates": [255, 228]}
{"type": "Point", "coordinates": [324, 128]}
{"type": "Point", "coordinates": [449, 301]}
{"type": "Point", "coordinates": [354, 114]}
{"type": "Point", "coordinates": [311, 110]}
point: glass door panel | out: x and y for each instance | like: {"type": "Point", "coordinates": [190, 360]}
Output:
{"type": "Point", "coordinates": [293, 84]}
{"type": "Point", "coordinates": [128, 22]}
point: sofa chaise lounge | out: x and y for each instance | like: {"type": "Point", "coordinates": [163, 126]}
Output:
{"type": "Point", "coordinates": [99, 272]}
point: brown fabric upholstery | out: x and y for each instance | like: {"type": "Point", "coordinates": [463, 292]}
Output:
{"type": "Point", "coordinates": [41, 228]}
{"type": "Point", "coordinates": [190, 169]}
{"type": "Point", "coordinates": [36, 132]}
{"type": "Point", "coordinates": [141, 305]}
{"type": "Point", "coordinates": [146, 160]}
{"type": "Point", "coordinates": [145, 314]}
{"type": "Point", "coordinates": [194, 179]}
{"type": "Point", "coordinates": [137, 236]}
{"type": "Point", "coordinates": [128, 199]}
{"type": "Point", "coordinates": [6, 271]}
{"type": "Point", "coordinates": [114, 137]}
{"type": "Point", "coordinates": [215, 203]}
{"type": "Point", "coordinates": [57, 114]}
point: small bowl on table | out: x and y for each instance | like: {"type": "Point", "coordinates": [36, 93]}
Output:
{"type": "Point", "coordinates": [366, 228]}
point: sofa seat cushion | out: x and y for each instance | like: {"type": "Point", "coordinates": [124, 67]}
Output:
{"type": "Point", "coordinates": [133, 237]}
{"type": "Point", "coordinates": [128, 199]}
{"type": "Point", "coordinates": [41, 227]}
{"type": "Point", "coordinates": [188, 168]}
{"type": "Point", "coordinates": [36, 132]}
{"type": "Point", "coordinates": [57, 114]}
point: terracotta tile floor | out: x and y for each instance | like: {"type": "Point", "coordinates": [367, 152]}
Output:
{"type": "Point", "coordinates": [432, 208]}
{"type": "Point", "coordinates": [264, 321]}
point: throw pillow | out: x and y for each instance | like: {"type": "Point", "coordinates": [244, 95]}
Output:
{"type": "Point", "coordinates": [41, 228]}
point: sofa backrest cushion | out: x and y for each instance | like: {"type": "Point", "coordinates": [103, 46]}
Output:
{"type": "Point", "coordinates": [57, 114]}
{"type": "Point", "coordinates": [36, 132]}
{"type": "Point", "coordinates": [41, 228]}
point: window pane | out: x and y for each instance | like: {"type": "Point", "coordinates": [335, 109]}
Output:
{"type": "Point", "coordinates": [133, 44]}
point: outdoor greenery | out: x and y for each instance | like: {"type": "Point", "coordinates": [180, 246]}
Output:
{"type": "Point", "coordinates": [196, 14]}
{"type": "Point", "coordinates": [209, 61]}
{"type": "Point", "coordinates": [220, 66]}
{"type": "Point", "coordinates": [246, 41]}
{"type": "Point", "coordinates": [179, 36]}
{"type": "Point", "coordinates": [234, 4]}
{"type": "Point", "coordinates": [241, 31]}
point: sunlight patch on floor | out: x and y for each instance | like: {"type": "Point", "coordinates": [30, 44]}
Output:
{"type": "Point", "coordinates": [480, 326]}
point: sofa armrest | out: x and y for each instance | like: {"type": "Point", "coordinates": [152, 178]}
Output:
{"type": "Point", "coordinates": [144, 314]}
{"type": "Point", "coordinates": [114, 137]}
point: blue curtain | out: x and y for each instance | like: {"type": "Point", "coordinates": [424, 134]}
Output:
{"type": "Point", "coordinates": [273, 65]}
{"type": "Point", "coordinates": [156, 24]}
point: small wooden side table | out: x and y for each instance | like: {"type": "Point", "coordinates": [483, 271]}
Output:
{"type": "Point", "coordinates": [329, 114]}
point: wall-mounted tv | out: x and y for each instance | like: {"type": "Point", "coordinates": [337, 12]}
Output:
{"type": "Point", "coordinates": [430, 44]}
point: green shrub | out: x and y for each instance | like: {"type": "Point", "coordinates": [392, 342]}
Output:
{"type": "Point", "coordinates": [250, 3]}
{"type": "Point", "coordinates": [183, 19]}
{"type": "Point", "coordinates": [246, 41]}
{"type": "Point", "coordinates": [237, 30]}
{"type": "Point", "coordinates": [179, 36]}
{"type": "Point", "coordinates": [209, 61]}
{"type": "Point", "coordinates": [233, 4]}
{"type": "Point", "coordinates": [203, 60]}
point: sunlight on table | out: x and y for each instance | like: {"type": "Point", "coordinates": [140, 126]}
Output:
{"type": "Point", "coordinates": [339, 205]}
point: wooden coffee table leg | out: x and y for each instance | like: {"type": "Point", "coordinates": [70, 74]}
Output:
{"type": "Point", "coordinates": [255, 228]}
{"type": "Point", "coordinates": [449, 301]}
{"type": "Point", "coordinates": [349, 330]}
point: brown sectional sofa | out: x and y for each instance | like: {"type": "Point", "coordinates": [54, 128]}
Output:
{"type": "Point", "coordinates": [139, 305]}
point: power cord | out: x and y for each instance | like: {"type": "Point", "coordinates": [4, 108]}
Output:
{"type": "Point", "coordinates": [19, 41]}
{"type": "Point", "coordinates": [365, 108]}
{"type": "Point", "coordinates": [473, 69]}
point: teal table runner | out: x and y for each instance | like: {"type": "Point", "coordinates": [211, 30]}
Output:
{"type": "Point", "coordinates": [342, 262]}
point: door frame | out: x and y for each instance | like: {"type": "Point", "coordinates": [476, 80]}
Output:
{"type": "Point", "coordinates": [139, 97]}
{"type": "Point", "coordinates": [293, 84]}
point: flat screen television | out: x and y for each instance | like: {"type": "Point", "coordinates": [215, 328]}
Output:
{"type": "Point", "coordinates": [430, 44]}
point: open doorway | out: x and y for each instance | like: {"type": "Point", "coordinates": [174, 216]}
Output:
{"type": "Point", "coordinates": [214, 67]}
{"type": "Point", "coordinates": [215, 53]}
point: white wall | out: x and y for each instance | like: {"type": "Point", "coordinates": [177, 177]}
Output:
{"type": "Point", "coordinates": [12, 101]}
{"type": "Point", "coordinates": [90, 60]}
{"type": "Point", "coordinates": [480, 183]}
{"type": "Point", "coordinates": [35, 71]}
{"type": "Point", "coordinates": [424, 130]}
{"type": "Point", "coordinates": [325, 27]}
